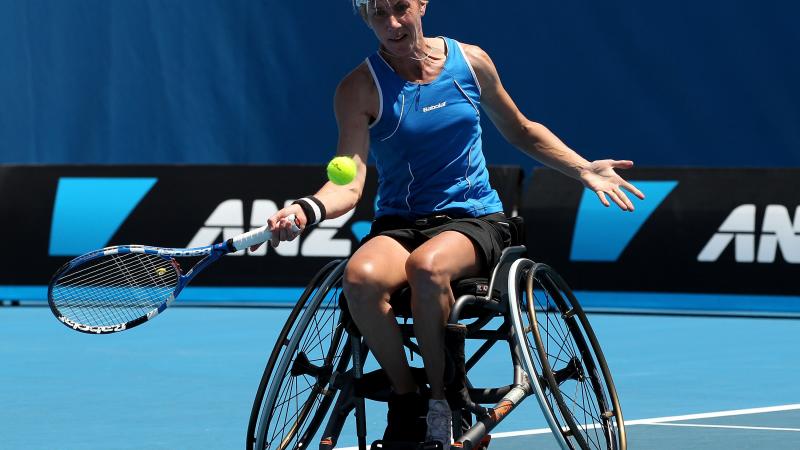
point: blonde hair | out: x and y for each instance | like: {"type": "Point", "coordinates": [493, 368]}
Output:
{"type": "Point", "coordinates": [361, 6]}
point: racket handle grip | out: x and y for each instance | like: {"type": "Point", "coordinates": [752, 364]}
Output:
{"type": "Point", "coordinates": [257, 236]}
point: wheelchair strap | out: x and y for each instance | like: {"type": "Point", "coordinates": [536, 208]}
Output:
{"type": "Point", "coordinates": [517, 230]}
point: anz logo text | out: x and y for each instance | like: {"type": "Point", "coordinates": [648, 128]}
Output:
{"type": "Point", "coordinates": [227, 220]}
{"type": "Point", "coordinates": [752, 244]}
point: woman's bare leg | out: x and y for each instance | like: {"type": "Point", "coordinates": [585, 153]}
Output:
{"type": "Point", "coordinates": [430, 270]}
{"type": "Point", "coordinates": [375, 271]}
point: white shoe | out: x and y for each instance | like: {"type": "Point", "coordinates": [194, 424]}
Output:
{"type": "Point", "coordinates": [440, 423]}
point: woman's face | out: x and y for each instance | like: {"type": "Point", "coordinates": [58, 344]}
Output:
{"type": "Point", "coordinates": [397, 24]}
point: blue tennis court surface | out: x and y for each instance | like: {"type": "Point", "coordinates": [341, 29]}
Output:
{"type": "Point", "coordinates": [187, 380]}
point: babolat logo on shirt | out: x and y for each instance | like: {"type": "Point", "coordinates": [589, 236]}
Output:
{"type": "Point", "coordinates": [778, 230]}
{"type": "Point", "coordinates": [436, 106]}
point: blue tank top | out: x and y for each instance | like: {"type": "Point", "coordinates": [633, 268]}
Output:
{"type": "Point", "coordinates": [426, 142]}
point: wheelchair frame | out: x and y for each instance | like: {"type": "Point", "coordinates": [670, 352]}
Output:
{"type": "Point", "coordinates": [341, 371]}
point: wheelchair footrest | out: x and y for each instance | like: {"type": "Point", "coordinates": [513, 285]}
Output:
{"type": "Point", "coordinates": [386, 445]}
{"type": "Point", "coordinates": [376, 385]}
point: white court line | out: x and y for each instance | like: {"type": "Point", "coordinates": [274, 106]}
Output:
{"type": "Point", "coordinates": [734, 412]}
{"type": "Point", "coordinates": [736, 427]}
{"type": "Point", "coordinates": [661, 420]}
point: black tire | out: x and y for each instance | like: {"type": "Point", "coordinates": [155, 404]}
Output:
{"type": "Point", "coordinates": [295, 393]}
{"type": "Point", "coordinates": [569, 363]}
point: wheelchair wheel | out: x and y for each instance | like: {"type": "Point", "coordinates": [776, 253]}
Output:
{"type": "Point", "coordinates": [295, 392]}
{"type": "Point", "coordinates": [575, 387]}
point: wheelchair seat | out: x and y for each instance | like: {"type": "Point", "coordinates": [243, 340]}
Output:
{"type": "Point", "coordinates": [400, 301]}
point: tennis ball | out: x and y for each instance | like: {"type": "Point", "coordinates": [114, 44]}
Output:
{"type": "Point", "coordinates": [161, 271]}
{"type": "Point", "coordinates": [342, 170]}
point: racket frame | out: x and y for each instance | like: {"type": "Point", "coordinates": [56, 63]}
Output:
{"type": "Point", "coordinates": [209, 253]}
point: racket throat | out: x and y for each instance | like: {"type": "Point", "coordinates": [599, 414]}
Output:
{"type": "Point", "coordinates": [228, 246]}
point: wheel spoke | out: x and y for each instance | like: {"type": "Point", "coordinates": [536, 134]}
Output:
{"type": "Point", "coordinates": [566, 356]}
{"type": "Point", "coordinates": [299, 394]}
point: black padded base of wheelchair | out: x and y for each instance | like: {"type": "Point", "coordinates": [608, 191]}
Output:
{"type": "Point", "coordinates": [376, 385]}
{"type": "Point", "coordinates": [385, 445]}
{"type": "Point", "coordinates": [401, 299]}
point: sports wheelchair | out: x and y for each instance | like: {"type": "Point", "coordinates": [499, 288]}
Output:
{"type": "Point", "coordinates": [315, 377]}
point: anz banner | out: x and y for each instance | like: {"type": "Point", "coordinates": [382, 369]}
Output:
{"type": "Point", "coordinates": [54, 213]}
{"type": "Point", "coordinates": [699, 233]}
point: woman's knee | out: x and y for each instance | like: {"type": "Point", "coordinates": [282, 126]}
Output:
{"type": "Point", "coordinates": [361, 284]}
{"type": "Point", "coordinates": [427, 271]}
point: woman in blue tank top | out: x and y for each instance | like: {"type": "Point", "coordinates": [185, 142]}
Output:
{"type": "Point", "coordinates": [415, 105]}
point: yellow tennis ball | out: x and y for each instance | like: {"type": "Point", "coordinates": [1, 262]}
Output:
{"type": "Point", "coordinates": [161, 271]}
{"type": "Point", "coordinates": [342, 170]}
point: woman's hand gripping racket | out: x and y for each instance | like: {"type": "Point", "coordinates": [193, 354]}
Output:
{"type": "Point", "coordinates": [117, 288]}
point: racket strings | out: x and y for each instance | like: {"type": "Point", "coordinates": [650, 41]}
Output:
{"type": "Point", "coordinates": [81, 298]}
{"type": "Point", "coordinates": [114, 277]}
{"type": "Point", "coordinates": [115, 289]}
{"type": "Point", "coordinates": [90, 273]}
{"type": "Point", "coordinates": [124, 298]}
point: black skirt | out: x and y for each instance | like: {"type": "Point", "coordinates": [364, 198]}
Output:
{"type": "Point", "coordinates": [490, 233]}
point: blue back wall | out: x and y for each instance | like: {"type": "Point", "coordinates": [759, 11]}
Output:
{"type": "Point", "coordinates": [711, 83]}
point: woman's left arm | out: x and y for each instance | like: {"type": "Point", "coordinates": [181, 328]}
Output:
{"type": "Point", "coordinates": [540, 143]}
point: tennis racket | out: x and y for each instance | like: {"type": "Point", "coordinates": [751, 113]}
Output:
{"type": "Point", "coordinates": [117, 288]}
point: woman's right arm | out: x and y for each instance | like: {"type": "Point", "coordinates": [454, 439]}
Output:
{"type": "Point", "coordinates": [355, 103]}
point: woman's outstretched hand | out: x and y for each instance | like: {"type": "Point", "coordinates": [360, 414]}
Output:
{"type": "Point", "coordinates": [601, 178]}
